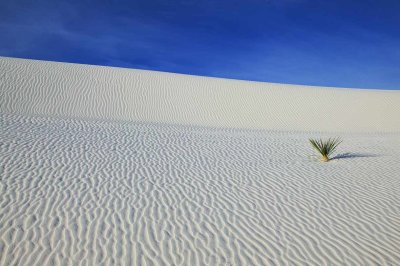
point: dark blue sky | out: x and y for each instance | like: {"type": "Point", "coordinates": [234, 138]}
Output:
{"type": "Point", "coordinates": [352, 43]}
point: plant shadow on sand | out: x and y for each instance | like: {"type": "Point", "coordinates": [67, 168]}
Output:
{"type": "Point", "coordinates": [351, 155]}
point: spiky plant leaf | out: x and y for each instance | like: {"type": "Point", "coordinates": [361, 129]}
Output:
{"type": "Point", "coordinates": [325, 147]}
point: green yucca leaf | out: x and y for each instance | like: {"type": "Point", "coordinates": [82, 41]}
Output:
{"type": "Point", "coordinates": [325, 147]}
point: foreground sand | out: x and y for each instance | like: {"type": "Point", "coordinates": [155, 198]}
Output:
{"type": "Point", "coordinates": [101, 181]}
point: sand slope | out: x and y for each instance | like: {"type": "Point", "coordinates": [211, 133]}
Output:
{"type": "Point", "coordinates": [59, 89]}
{"type": "Point", "coordinates": [86, 178]}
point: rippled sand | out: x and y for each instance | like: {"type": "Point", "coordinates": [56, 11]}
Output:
{"type": "Point", "coordinates": [103, 190]}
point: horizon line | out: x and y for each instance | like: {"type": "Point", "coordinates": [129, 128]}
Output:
{"type": "Point", "coordinates": [203, 76]}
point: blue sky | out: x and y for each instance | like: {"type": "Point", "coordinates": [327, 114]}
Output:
{"type": "Point", "coordinates": [326, 43]}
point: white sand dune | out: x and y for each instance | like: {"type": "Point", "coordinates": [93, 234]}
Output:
{"type": "Point", "coordinates": [72, 90]}
{"type": "Point", "coordinates": [109, 166]}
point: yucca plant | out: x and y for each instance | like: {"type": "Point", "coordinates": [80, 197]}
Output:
{"type": "Point", "coordinates": [325, 147]}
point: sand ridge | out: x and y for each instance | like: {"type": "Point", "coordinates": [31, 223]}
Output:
{"type": "Point", "coordinates": [74, 90]}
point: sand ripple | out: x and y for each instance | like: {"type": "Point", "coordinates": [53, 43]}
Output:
{"type": "Point", "coordinates": [87, 192]}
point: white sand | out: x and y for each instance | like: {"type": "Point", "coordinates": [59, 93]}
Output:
{"type": "Point", "coordinates": [113, 166]}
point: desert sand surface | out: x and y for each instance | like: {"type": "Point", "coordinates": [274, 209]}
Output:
{"type": "Point", "coordinates": [112, 166]}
